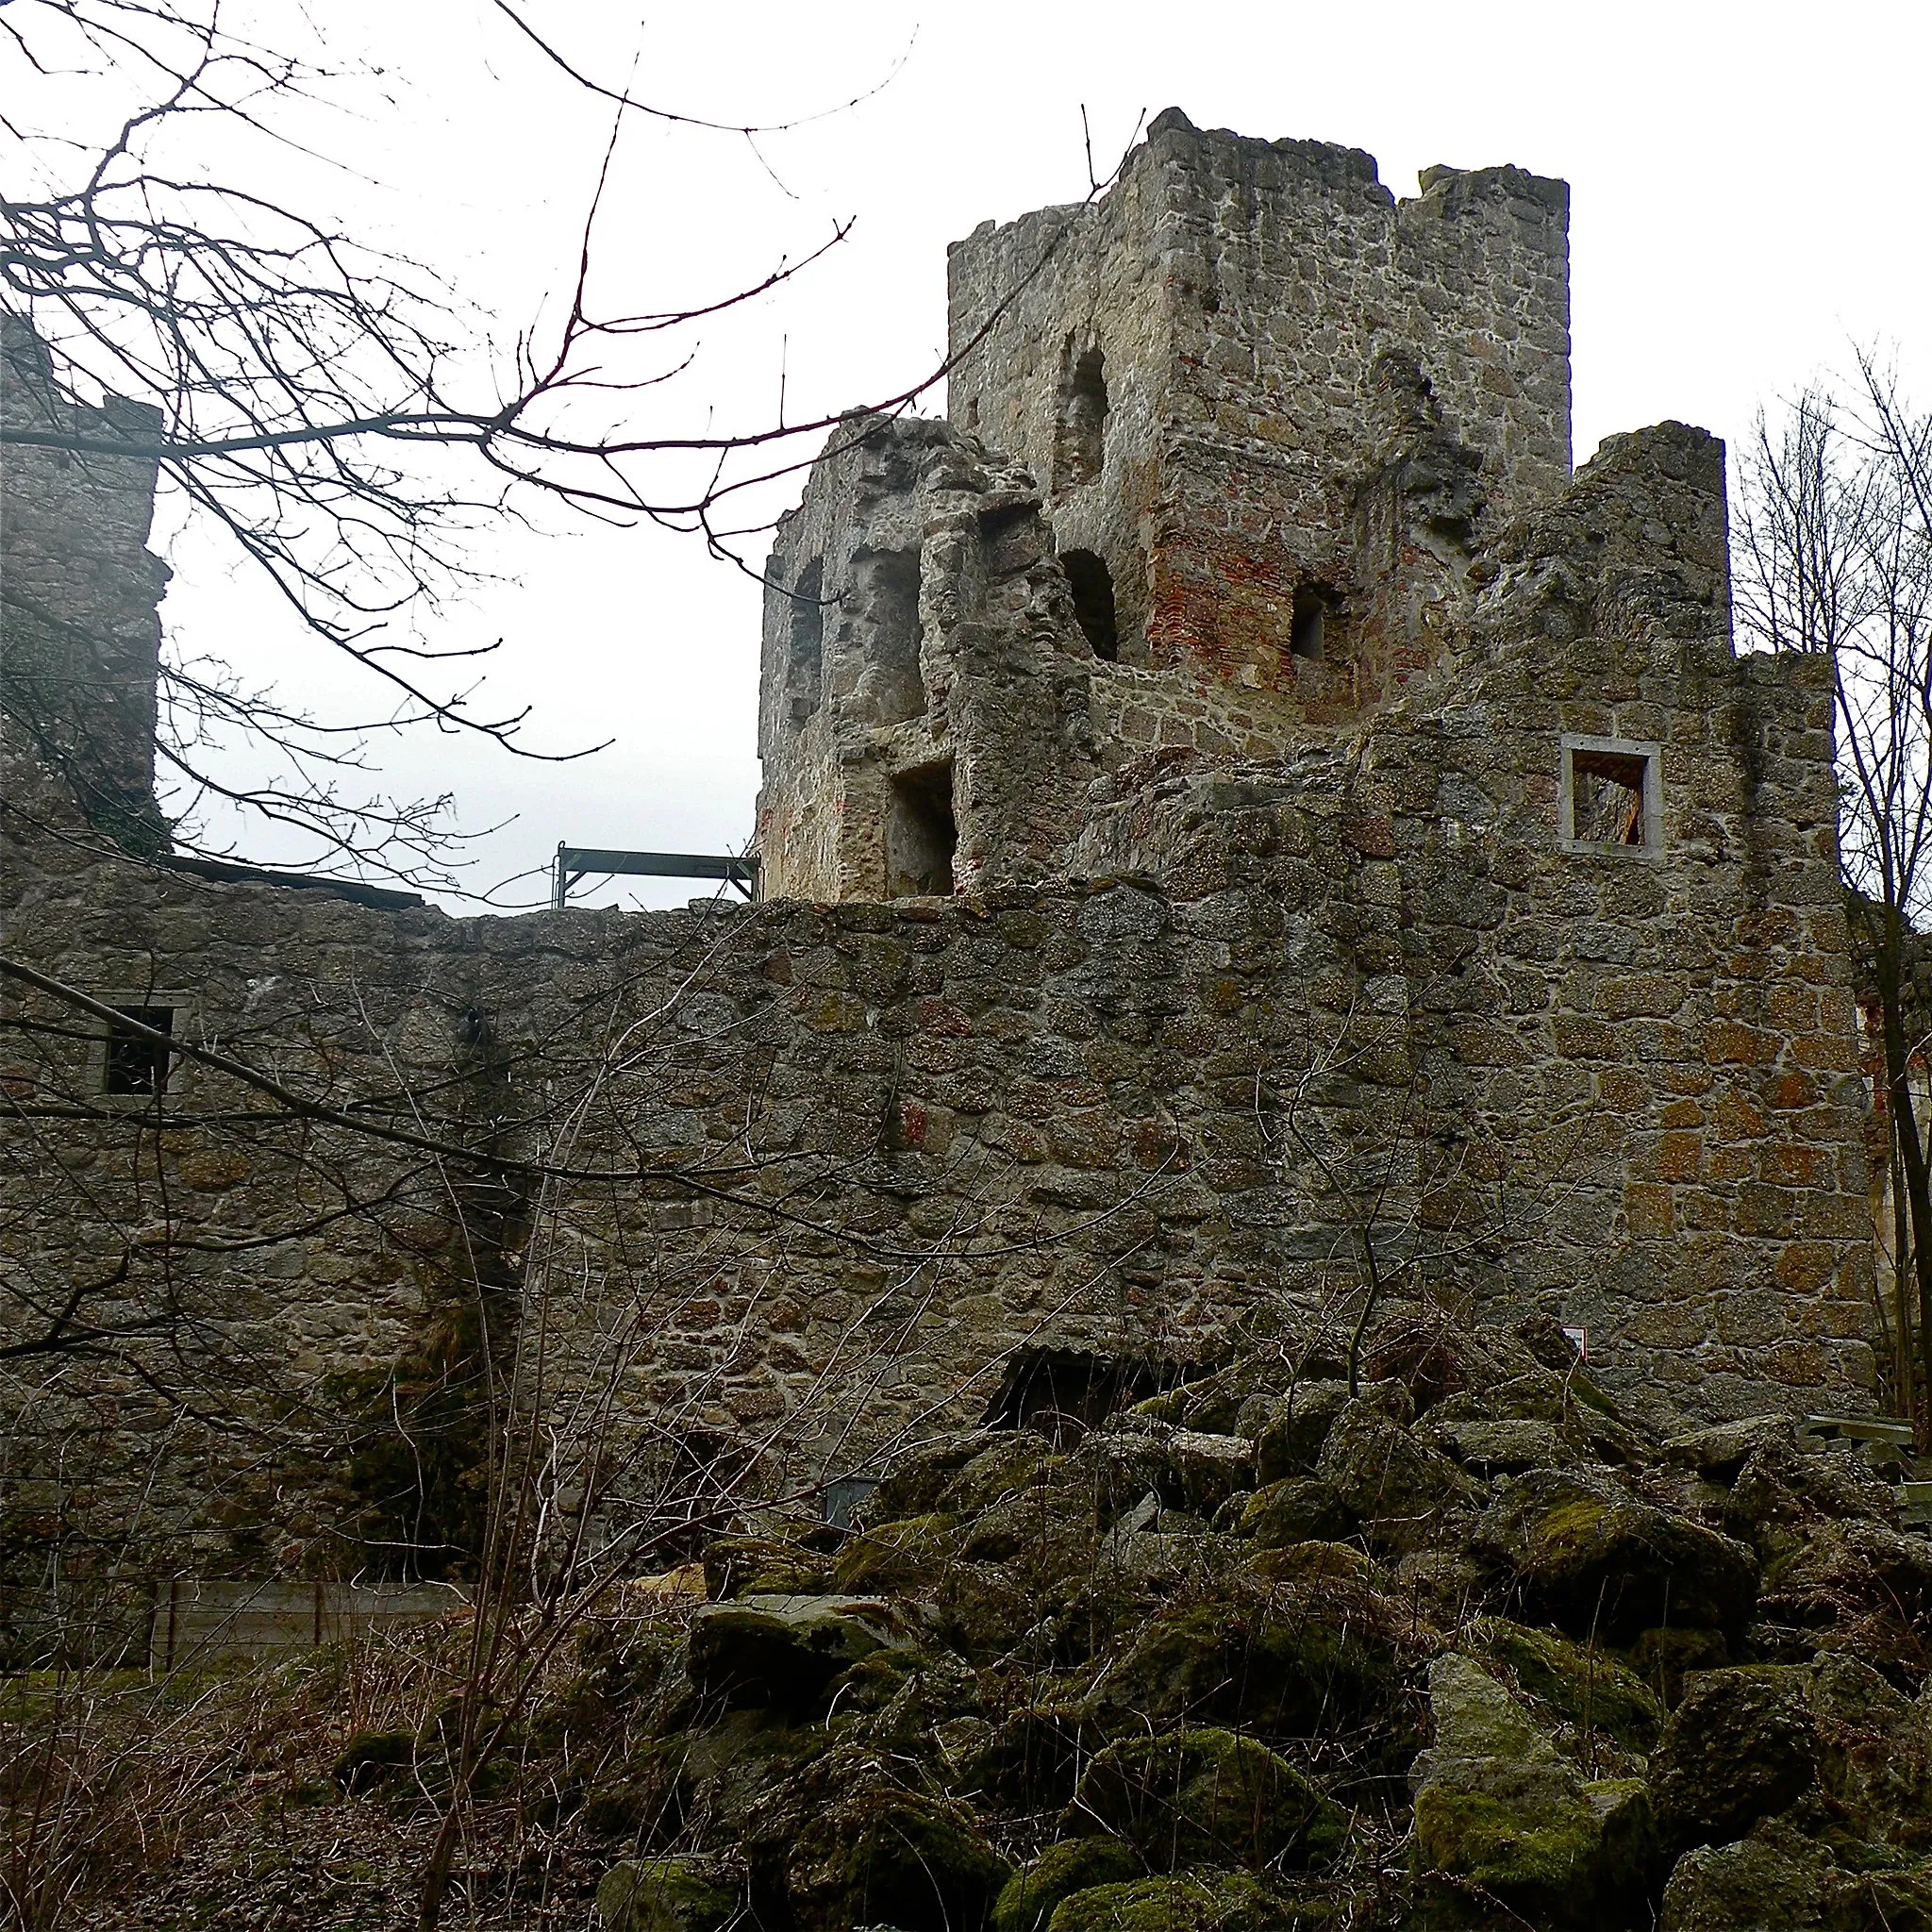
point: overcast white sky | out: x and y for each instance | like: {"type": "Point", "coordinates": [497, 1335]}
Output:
{"type": "Point", "coordinates": [1748, 192]}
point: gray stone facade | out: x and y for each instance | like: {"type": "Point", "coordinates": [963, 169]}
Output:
{"type": "Point", "coordinates": [1112, 988]}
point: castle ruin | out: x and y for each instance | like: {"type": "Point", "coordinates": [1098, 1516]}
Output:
{"type": "Point", "coordinates": [1242, 825]}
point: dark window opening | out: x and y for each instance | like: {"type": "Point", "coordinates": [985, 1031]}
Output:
{"type": "Point", "coordinates": [1061, 1393]}
{"type": "Point", "coordinates": [1607, 797]}
{"type": "Point", "coordinates": [135, 1063]}
{"type": "Point", "coordinates": [1307, 630]}
{"type": "Point", "coordinates": [805, 672]}
{"type": "Point", "coordinates": [890, 595]}
{"type": "Point", "coordinates": [1080, 436]}
{"type": "Point", "coordinates": [920, 834]}
{"type": "Point", "coordinates": [1092, 587]}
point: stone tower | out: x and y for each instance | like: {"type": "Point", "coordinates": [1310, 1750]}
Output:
{"type": "Point", "coordinates": [1228, 434]}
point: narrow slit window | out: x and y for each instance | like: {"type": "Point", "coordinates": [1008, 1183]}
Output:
{"type": "Point", "coordinates": [1094, 608]}
{"type": "Point", "coordinates": [1307, 630]}
{"type": "Point", "coordinates": [1609, 796]}
{"type": "Point", "coordinates": [135, 1063]}
{"type": "Point", "coordinates": [806, 670]}
{"type": "Point", "coordinates": [920, 834]}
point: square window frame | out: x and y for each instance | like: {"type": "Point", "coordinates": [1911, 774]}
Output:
{"type": "Point", "coordinates": [1652, 755]}
{"type": "Point", "coordinates": [180, 1067]}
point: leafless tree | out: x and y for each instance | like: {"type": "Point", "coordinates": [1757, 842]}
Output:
{"type": "Point", "coordinates": [342, 417]}
{"type": "Point", "coordinates": [1833, 536]}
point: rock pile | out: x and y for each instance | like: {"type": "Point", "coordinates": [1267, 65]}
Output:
{"type": "Point", "coordinates": [1458, 1645]}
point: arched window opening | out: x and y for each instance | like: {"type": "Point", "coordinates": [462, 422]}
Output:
{"type": "Point", "coordinates": [805, 672]}
{"type": "Point", "coordinates": [1307, 632]}
{"type": "Point", "coordinates": [1080, 432]}
{"type": "Point", "coordinates": [1093, 607]}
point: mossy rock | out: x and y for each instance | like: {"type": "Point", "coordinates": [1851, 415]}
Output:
{"type": "Point", "coordinates": [1207, 1796]}
{"type": "Point", "coordinates": [1032, 1761]}
{"type": "Point", "coordinates": [1586, 1863]}
{"type": "Point", "coordinates": [900, 1558]}
{"type": "Point", "coordinates": [1599, 1563]}
{"type": "Point", "coordinates": [760, 1566]}
{"type": "Point", "coordinates": [782, 1653]}
{"type": "Point", "coordinates": [1034, 1892]}
{"type": "Point", "coordinates": [1298, 1509]}
{"type": "Point", "coordinates": [1009, 1463]}
{"type": "Point", "coordinates": [983, 1609]}
{"type": "Point", "coordinates": [1288, 1664]}
{"type": "Point", "coordinates": [1318, 1566]}
{"type": "Point", "coordinates": [372, 1758]}
{"type": "Point", "coordinates": [1046, 1529]}
{"type": "Point", "coordinates": [879, 1855]}
{"type": "Point", "coordinates": [1288, 1430]}
{"type": "Point", "coordinates": [688, 1894]}
{"type": "Point", "coordinates": [916, 1478]}
{"type": "Point", "coordinates": [1742, 1746]}
{"type": "Point", "coordinates": [1592, 1689]}
{"type": "Point", "coordinates": [1191, 1902]}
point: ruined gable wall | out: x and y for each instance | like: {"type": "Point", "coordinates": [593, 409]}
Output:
{"type": "Point", "coordinates": [1283, 270]}
{"type": "Point", "coordinates": [938, 683]}
{"type": "Point", "coordinates": [79, 633]}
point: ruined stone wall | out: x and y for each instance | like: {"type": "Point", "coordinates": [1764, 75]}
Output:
{"type": "Point", "coordinates": [853, 1156]}
{"type": "Point", "coordinates": [1244, 292]}
{"type": "Point", "coordinates": [925, 720]}
{"type": "Point", "coordinates": [79, 634]}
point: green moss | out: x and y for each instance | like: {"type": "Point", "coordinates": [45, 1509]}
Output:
{"type": "Point", "coordinates": [1297, 1510]}
{"type": "Point", "coordinates": [897, 1558]}
{"type": "Point", "coordinates": [761, 1566]}
{"type": "Point", "coordinates": [1592, 1689]}
{"type": "Point", "coordinates": [1588, 1861]}
{"type": "Point", "coordinates": [1195, 1902]}
{"type": "Point", "coordinates": [1208, 1796]}
{"type": "Point", "coordinates": [884, 1857]}
{"type": "Point", "coordinates": [1285, 1667]}
{"type": "Point", "coordinates": [1468, 1835]}
{"type": "Point", "coordinates": [665, 1895]}
{"type": "Point", "coordinates": [1078, 1864]}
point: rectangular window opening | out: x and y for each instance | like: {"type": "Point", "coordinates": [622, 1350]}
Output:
{"type": "Point", "coordinates": [1609, 798]}
{"type": "Point", "coordinates": [134, 1063]}
{"type": "Point", "coordinates": [920, 834]}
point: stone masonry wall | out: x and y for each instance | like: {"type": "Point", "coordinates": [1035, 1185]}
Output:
{"type": "Point", "coordinates": [853, 1156]}
{"type": "Point", "coordinates": [79, 591]}
{"type": "Point", "coordinates": [1242, 292]}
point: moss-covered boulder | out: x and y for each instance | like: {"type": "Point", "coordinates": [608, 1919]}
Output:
{"type": "Point", "coordinates": [1502, 1816]}
{"type": "Point", "coordinates": [687, 1894]}
{"type": "Point", "coordinates": [1755, 1886]}
{"type": "Point", "coordinates": [1192, 1901]}
{"type": "Point", "coordinates": [1297, 1510]}
{"type": "Point", "coordinates": [1740, 1746]}
{"type": "Point", "coordinates": [1207, 1796]}
{"type": "Point", "coordinates": [877, 1855]}
{"type": "Point", "coordinates": [1593, 1560]}
{"type": "Point", "coordinates": [905, 1558]}
{"type": "Point", "coordinates": [761, 1566]}
{"type": "Point", "coordinates": [1034, 1893]}
{"type": "Point", "coordinates": [1583, 1684]}
{"type": "Point", "coordinates": [1288, 1430]}
{"type": "Point", "coordinates": [1388, 1477]}
{"type": "Point", "coordinates": [782, 1653]}
{"type": "Point", "coordinates": [1285, 1662]}
{"type": "Point", "coordinates": [917, 1477]}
